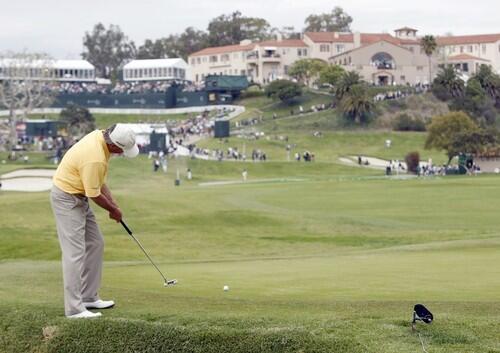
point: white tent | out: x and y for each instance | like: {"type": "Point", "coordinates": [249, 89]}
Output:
{"type": "Point", "coordinates": [47, 69]}
{"type": "Point", "coordinates": [155, 70]}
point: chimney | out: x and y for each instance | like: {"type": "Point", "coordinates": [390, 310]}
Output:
{"type": "Point", "coordinates": [336, 35]}
{"type": "Point", "coordinates": [357, 39]}
{"type": "Point", "coordinates": [245, 42]}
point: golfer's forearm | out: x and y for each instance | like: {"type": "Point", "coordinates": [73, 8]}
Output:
{"type": "Point", "coordinates": [104, 202]}
{"type": "Point", "coordinates": [107, 193]}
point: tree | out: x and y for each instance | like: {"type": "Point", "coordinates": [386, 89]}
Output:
{"type": "Point", "coordinates": [489, 81]}
{"type": "Point", "coordinates": [107, 49]}
{"type": "Point", "coordinates": [477, 103]}
{"type": "Point", "coordinates": [347, 80]}
{"type": "Point", "coordinates": [412, 161]}
{"type": "Point", "coordinates": [190, 41]}
{"type": "Point", "coordinates": [20, 91]}
{"type": "Point", "coordinates": [331, 74]}
{"type": "Point", "coordinates": [357, 104]}
{"type": "Point", "coordinates": [305, 69]}
{"type": "Point", "coordinates": [233, 28]}
{"type": "Point", "coordinates": [153, 50]}
{"type": "Point", "coordinates": [474, 142]}
{"type": "Point", "coordinates": [444, 129]}
{"type": "Point", "coordinates": [429, 45]}
{"type": "Point", "coordinates": [284, 90]}
{"type": "Point", "coordinates": [335, 21]}
{"type": "Point", "coordinates": [174, 46]}
{"type": "Point", "coordinates": [286, 32]}
{"type": "Point", "coordinates": [447, 84]}
{"type": "Point", "coordinates": [78, 119]}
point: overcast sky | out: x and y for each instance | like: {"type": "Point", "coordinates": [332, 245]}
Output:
{"type": "Point", "coordinates": [57, 27]}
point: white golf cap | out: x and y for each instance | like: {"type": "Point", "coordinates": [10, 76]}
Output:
{"type": "Point", "coordinates": [123, 137]}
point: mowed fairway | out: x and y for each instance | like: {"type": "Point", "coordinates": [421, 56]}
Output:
{"type": "Point", "coordinates": [318, 257]}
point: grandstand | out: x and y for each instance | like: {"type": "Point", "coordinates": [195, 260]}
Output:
{"type": "Point", "coordinates": [50, 70]}
{"type": "Point", "coordinates": [155, 70]}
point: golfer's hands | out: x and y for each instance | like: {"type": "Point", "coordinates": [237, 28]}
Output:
{"type": "Point", "coordinates": [116, 214]}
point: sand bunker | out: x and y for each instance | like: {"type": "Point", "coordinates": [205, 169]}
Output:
{"type": "Point", "coordinates": [27, 180]}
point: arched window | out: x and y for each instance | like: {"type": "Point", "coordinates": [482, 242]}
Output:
{"type": "Point", "coordinates": [383, 61]}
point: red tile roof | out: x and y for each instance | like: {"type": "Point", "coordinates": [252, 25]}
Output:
{"type": "Point", "coordinates": [472, 39]}
{"type": "Point", "coordinates": [406, 29]}
{"type": "Point", "coordinates": [238, 47]}
{"type": "Point", "coordinates": [461, 57]}
{"type": "Point", "coordinates": [283, 43]}
{"type": "Point", "coordinates": [224, 49]}
{"type": "Point", "coordinates": [366, 38]}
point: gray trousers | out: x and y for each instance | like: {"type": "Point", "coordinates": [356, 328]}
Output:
{"type": "Point", "coordinates": [82, 248]}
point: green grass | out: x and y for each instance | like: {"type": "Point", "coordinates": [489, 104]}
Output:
{"type": "Point", "coordinates": [331, 262]}
{"type": "Point", "coordinates": [319, 257]}
{"type": "Point", "coordinates": [261, 106]}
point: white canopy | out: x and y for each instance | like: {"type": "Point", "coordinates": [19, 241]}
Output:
{"type": "Point", "coordinates": [156, 63]}
{"type": "Point", "coordinates": [50, 63]}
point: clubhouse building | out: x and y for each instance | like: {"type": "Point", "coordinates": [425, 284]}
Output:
{"type": "Point", "coordinates": [380, 58]}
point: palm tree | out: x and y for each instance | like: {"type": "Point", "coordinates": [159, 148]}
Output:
{"type": "Point", "coordinates": [429, 45]}
{"type": "Point", "coordinates": [489, 80]}
{"type": "Point", "coordinates": [346, 82]}
{"type": "Point", "coordinates": [449, 80]}
{"type": "Point", "coordinates": [357, 103]}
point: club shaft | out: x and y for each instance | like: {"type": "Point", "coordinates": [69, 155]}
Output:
{"type": "Point", "coordinates": [143, 250]}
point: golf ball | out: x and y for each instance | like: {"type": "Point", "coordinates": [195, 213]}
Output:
{"type": "Point", "coordinates": [226, 288]}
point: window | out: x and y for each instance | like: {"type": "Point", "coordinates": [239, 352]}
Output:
{"type": "Point", "coordinates": [420, 68]}
{"type": "Point", "coordinates": [383, 61]}
{"type": "Point", "coordinates": [465, 67]}
{"type": "Point", "coordinates": [403, 78]}
{"type": "Point", "coordinates": [461, 49]}
{"type": "Point", "coordinates": [196, 78]}
{"type": "Point", "coordinates": [198, 61]}
{"type": "Point", "coordinates": [193, 61]}
{"type": "Point", "coordinates": [224, 57]}
{"type": "Point", "coordinates": [285, 69]}
{"type": "Point", "coordinates": [483, 47]}
{"type": "Point", "coordinates": [214, 59]}
{"type": "Point", "coordinates": [324, 48]}
{"type": "Point", "coordinates": [243, 72]}
{"type": "Point", "coordinates": [205, 59]}
{"type": "Point", "coordinates": [235, 56]}
{"type": "Point", "coordinates": [411, 49]}
{"type": "Point", "coordinates": [302, 52]}
{"type": "Point", "coordinates": [471, 49]}
{"type": "Point", "coordinates": [340, 48]}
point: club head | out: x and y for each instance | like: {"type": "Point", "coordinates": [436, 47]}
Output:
{"type": "Point", "coordinates": [171, 282]}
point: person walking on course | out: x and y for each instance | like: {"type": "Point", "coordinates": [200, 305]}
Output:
{"type": "Point", "coordinates": [81, 175]}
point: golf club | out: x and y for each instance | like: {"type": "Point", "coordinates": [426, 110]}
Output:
{"type": "Point", "coordinates": [170, 282]}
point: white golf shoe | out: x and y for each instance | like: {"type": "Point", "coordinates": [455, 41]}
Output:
{"type": "Point", "coordinates": [99, 304]}
{"type": "Point", "coordinates": [84, 315]}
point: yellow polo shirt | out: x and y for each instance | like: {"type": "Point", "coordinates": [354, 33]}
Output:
{"type": "Point", "coordinates": [84, 168]}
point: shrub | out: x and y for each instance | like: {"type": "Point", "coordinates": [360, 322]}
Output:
{"type": "Point", "coordinates": [405, 122]}
{"type": "Point", "coordinates": [284, 90]}
{"type": "Point", "coordinates": [412, 160]}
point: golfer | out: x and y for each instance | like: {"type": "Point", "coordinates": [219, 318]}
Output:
{"type": "Point", "coordinates": [82, 176]}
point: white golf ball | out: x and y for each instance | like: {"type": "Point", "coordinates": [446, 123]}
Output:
{"type": "Point", "coordinates": [226, 288]}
